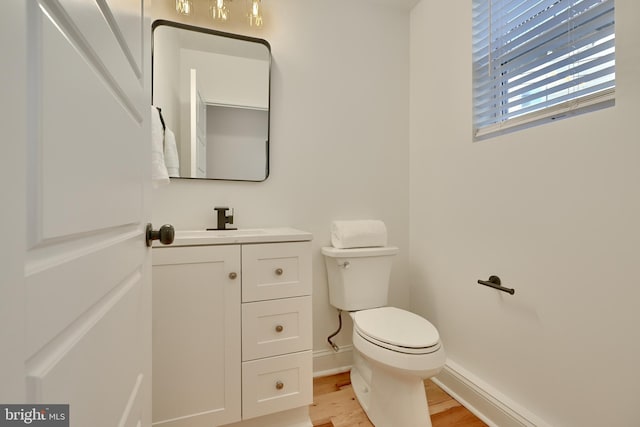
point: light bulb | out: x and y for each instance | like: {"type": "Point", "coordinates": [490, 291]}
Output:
{"type": "Point", "coordinates": [184, 7]}
{"type": "Point", "coordinates": [255, 13]}
{"type": "Point", "coordinates": [219, 10]}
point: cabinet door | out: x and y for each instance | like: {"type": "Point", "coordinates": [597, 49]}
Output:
{"type": "Point", "coordinates": [196, 336]}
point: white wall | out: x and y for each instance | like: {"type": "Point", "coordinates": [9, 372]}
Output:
{"type": "Point", "coordinates": [227, 79]}
{"type": "Point", "coordinates": [339, 136]}
{"type": "Point", "coordinates": [553, 210]}
{"type": "Point", "coordinates": [236, 142]}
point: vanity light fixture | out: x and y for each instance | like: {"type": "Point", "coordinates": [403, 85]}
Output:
{"type": "Point", "coordinates": [184, 7]}
{"type": "Point", "coordinates": [219, 10]}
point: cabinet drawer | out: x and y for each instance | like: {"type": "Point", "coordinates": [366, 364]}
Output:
{"type": "Point", "coordinates": [270, 328]}
{"type": "Point", "coordinates": [276, 384]}
{"type": "Point", "coordinates": [277, 270]}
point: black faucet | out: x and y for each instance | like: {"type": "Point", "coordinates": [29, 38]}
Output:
{"type": "Point", "coordinates": [223, 218]}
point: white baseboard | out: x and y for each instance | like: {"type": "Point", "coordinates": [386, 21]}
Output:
{"type": "Point", "coordinates": [484, 401]}
{"type": "Point", "coordinates": [329, 362]}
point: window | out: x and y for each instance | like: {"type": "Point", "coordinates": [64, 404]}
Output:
{"type": "Point", "coordinates": [538, 60]}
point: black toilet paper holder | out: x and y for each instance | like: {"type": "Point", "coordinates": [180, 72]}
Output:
{"type": "Point", "coordinates": [495, 283]}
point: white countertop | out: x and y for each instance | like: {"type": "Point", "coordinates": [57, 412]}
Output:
{"type": "Point", "coordinates": [229, 237]}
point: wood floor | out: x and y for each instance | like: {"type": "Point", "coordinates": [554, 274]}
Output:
{"type": "Point", "coordinates": [335, 405]}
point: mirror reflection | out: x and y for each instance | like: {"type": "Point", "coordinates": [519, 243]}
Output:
{"type": "Point", "coordinates": [213, 92]}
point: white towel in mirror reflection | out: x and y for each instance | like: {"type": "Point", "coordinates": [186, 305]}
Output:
{"type": "Point", "coordinates": [171, 159]}
{"type": "Point", "coordinates": [159, 174]}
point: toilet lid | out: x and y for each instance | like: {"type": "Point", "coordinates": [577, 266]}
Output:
{"type": "Point", "coordinates": [396, 327]}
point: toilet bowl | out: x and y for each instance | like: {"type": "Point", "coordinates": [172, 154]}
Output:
{"type": "Point", "coordinates": [394, 350]}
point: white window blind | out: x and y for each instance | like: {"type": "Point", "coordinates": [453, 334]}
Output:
{"type": "Point", "coordinates": [540, 59]}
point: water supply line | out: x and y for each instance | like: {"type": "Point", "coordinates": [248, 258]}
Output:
{"type": "Point", "coordinates": [334, 345]}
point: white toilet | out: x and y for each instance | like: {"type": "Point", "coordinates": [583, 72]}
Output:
{"type": "Point", "coordinates": [395, 350]}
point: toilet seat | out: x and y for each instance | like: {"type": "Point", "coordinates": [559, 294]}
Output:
{"type": "Point", "coordinates": [397, 330]}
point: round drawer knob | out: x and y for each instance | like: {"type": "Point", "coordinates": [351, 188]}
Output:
{"type": "Point", "coordinates": [233, 275]}
{"type": "Point", "coordinates": [279, 328]}
{"type": "Point", "coordinates": [279, 271]}
{"type": "Point", "coordinates": [279, 385]}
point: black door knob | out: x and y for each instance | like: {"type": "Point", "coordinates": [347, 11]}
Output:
{"type": "Point", "coordinates": [165, 234]}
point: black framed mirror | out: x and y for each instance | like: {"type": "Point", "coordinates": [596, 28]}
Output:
{"type": "Point", "coordinates": [213, 90]}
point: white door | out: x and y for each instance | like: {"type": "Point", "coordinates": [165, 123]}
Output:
{"type": "Point", "coordinates": [75, 290]}
{"type": "Point", "coordinates": [198, 128]}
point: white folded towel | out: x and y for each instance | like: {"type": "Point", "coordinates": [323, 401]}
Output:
{"type": "Point", "coordinates": [171, 159]}
{"type": "Point", "coordinates": [358, 234]}
{"type": "Point", "coordinates": [159, 173]}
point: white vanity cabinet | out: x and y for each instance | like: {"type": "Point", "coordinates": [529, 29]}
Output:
{"type": "Point", "coordinates": [232, 334]}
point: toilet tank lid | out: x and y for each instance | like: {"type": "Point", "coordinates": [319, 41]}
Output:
{"type": "Point", "coordinates": [332, 252]}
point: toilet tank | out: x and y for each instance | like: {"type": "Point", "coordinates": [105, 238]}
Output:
{"type": "Point", "coordinates": [358, 278]}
